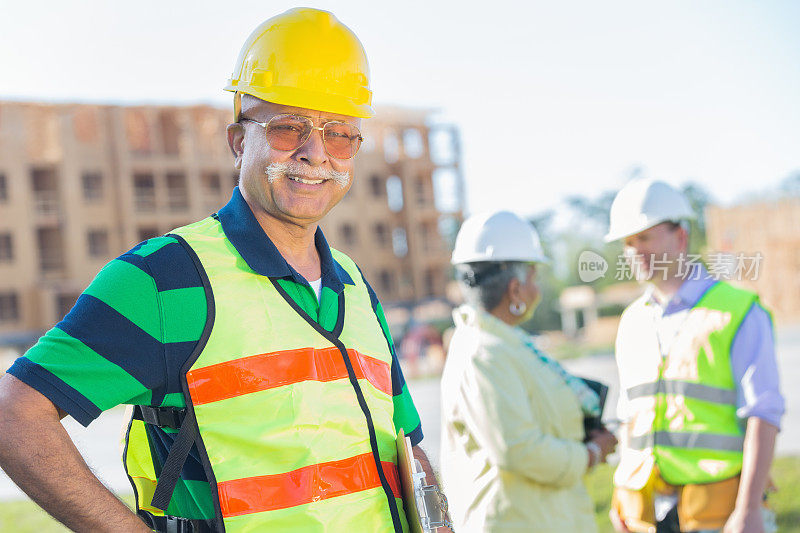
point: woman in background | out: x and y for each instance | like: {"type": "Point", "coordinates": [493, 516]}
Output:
{"type": "Point", "coordinates": [513, 451]}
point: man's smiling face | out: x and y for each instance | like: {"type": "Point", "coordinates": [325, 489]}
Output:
{"type": "Point", "coordinates": [298, 186]}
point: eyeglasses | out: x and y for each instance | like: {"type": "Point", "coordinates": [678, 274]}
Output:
{"type": "Point", "coordinates": [290, 132]}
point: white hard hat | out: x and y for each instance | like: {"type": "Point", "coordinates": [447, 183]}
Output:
{"type": "Point", "coordinates": [497, 236]}
{"type": "Point", "coordinates": [644, 203]}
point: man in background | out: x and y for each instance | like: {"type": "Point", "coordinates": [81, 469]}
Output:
{"type": "Point", "coordinates": [699, 395]}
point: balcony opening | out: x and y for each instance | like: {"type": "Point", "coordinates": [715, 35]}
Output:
{"type": "Point", "coordinates": [97, 241]}
{"type": "Point", "coordinates": [45, 190]}
{"type": "Point", "coordinates": [394, 193]}
{"type": "Point", "coordinates": [92, 186]}
{"type": "Point", "coordinates": [3, 188]}
{"type": "Point", "coordinates": [50, 244]}
{"type": "Point", "coordinates": [443, 144]}
{"type": "Point", "coordinates": [6, 248]}
{"type": "Point", "coordinates": [391, 146]}
{"type": "Point", "coordinates": [421, 190]}
{"type": "Point", "coordinates": [65, 302]}
{"type": "Point", "coordinates": [376, 186]}
{"type": "Point", "coordinates": [429, 282]}
{"type": "Point", "coordinates": [382, 237]}
{"type": "Point", "coordinates": [147, 232]}
{"type": "Point", "coordinates": [386, 280]}
{"type": "Point", "coordinates": [399, 242]}
{"type": "Point", "coordinates": [144, 192]}
{"type": "Point", "coordinates": [177, 192]}
{"type": "Point", "coordinates": [446, 190]}
{"type": "Point", "coordinates": [9, 307]}
{"type": "Point", "coordinates": [413, 143]}
{"type": "Point", "coordinates": [348, 234]}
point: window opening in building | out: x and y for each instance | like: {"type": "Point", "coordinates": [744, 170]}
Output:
{"type": "Point", "coordinates": [446, 195]}
{"type": "Point", "coordinates": [399, 242]}
{"type": "Point", "coordinates": [376, 186]}
{"type": "Point", "coordinates": [144, 191]}
{"type": "Point", "coordinates": [381, 234]}
{"type": "Point", "coordinates": [92, 186]}
{"type": "Point", "coordinates": [386, 279]}
{"type": "Point", "coordinates": [51, 249]}
{"type": "Point", "coordinates": [147, 232]}
{"type": "Point", "coordinates": [394, 193]}
{"type": "Point", "coordinates": [413, 143]}
{"type": "Point", "coordinates": [9, 307]}
{"type": "Point", "coordinates": [3, 188]}
{"type": "Point", "coordinates": [6, 248]}
{"type": "Point", "coordinates": [98, 243]}
{"type": "Point", "coordinates": [391, 146]}
{"type": "Point", "coordinates": [45, 190]}
{"type": "Point", "coordinates": [177, 192]}
{"type": "Point", "coordinates": [348, 233]}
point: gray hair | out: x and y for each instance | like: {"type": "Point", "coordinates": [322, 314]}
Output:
{"type": "Point", "coordinates": [485, 283]}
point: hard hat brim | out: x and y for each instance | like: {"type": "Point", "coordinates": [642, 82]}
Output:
{"type": "Point", "coordinates": [328, 103]}
{"type": "Point", "coordinates": [619, 235]}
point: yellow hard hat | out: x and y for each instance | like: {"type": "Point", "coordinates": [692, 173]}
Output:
{"type": "Point", "coordinates": [304, 58]}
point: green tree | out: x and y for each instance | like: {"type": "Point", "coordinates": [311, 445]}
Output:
{"type": "Point", "coordinates": [699, 198]}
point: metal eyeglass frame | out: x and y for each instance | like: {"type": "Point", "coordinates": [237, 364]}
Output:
{"type": "Point", "coordinates": [313, 127]}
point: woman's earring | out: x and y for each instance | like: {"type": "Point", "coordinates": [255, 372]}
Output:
{"type": "Point", "coordinates": [517, 309]}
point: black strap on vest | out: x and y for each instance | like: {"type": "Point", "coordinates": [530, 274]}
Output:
{"type": "Point", "coordinates": [174, 524]}
{"type": "Point", "coordinates": [163, 417]}
{"type": "Point", "coordinates": [178, 453]}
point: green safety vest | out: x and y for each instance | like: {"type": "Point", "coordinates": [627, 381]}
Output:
{"type": "Point", "coordinates": [295, 422]}
{"type": "Point", "coordinates": [685, 414]}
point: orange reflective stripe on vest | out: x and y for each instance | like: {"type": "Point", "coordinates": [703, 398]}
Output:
{"type": "Point", "coordinates": [276, 369]}
{"type": "Point", "coordinates": [304, 485]}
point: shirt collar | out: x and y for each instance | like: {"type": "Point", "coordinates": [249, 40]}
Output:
{"type": "Point", "coordinates": [468, 315]}
{"type": "Point", "coordinates": [697, 282]}
{"type": "Point", "coordinates": [262, 256]}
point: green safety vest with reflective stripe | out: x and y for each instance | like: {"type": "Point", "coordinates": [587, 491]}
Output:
{"type": "Point", "coordinates": [684, 411]}
{"type": "Point", "coordinates": [295, 422]}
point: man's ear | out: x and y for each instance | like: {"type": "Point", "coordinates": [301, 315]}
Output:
{"type": "Point", "coordinates": [235, 133]}
{"type": "Point", "coordinates": [684, 239]}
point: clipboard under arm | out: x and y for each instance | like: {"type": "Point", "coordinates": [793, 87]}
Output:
{"type": "Point", "coordinates": [425, 505]}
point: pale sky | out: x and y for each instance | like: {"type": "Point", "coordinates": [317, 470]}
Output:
{"type": "Point", "coordinates": [551, 98]}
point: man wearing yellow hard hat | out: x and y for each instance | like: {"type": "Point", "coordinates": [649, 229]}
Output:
{"type": "Point", "coordinates": [265, 388]}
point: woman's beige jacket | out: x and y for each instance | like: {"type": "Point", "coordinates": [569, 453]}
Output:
{"type": "Point", "coordinates": [512, 453]}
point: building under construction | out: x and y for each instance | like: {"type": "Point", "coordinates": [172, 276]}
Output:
{"type": "Point", "coordinates": [80, 184]}
{"type": "Point", "coordinates": [763, 236]}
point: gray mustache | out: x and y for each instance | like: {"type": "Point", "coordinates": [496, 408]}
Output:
{"type": "Point", "coordinates": [277, 171]}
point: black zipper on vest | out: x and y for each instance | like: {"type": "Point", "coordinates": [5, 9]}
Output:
{"type": "Point", "coordinates": [373, 440]}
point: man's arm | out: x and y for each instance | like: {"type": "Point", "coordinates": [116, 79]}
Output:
{"type": "Point", "coordinates": [430, 477]}
{"type": "Point", "coordinates": [38, 455]}
{"type": "Point", "coordinates": [759, 400]}
{"type": "Point", "coordinates": [759, 445]}
{"type": "Point", "coordinates": [422, 457]}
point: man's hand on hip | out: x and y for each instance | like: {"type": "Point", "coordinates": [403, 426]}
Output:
{"type": "Point", "coordinates": [37, 453]}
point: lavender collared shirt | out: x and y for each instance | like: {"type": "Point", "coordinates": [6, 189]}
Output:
{"type": "Point", "coordinates": [753, 363]}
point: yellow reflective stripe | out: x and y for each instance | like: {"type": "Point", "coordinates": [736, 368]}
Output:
{"type": "Point", "coordinates": [689, 389]}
